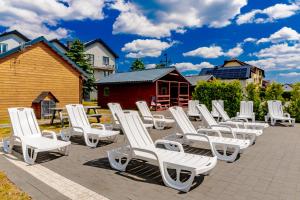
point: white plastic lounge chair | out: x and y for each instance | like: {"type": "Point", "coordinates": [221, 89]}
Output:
{"type": "Point", "coordinates": [246, 111]}
{"type": "Point", "coordinates": [213, 124]}
{"type": "Point", "coordinates": [239, 122]}
{"type": "Point", "coordinates": [80, 125]}
{"type": "Point", "coordinates": [189, 133]}
{"type": "Point", "coordinates": [142, 147]}
{"type": "Point", "coordinates": [26, 131]}
{"type": "Point", "coordinates": [116, 108]}
{"type": "Point", "coordinates": [276, 113]}
{"type": "Point", "coordinates": [214, 112]}
{"type": "Point", "coordinates": [192, 110]}
{"type": "Point", "coordinates": [159, 121]}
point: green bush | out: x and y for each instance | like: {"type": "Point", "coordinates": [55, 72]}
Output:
{"type": "Point", "coordinates": [294, 105]}
{"type": "Point", "coordinates": [230, 92]}
{"type": "Point", "coordinates": [253, 93]}
{"type": "Point", "coordinates": [274, 91]}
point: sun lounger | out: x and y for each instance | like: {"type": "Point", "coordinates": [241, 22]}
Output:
{"type": "Point", "coordinates": [192, 110]}
{"type": "Point", "coordinates": [26, 131]}
{"type": "Point", "coordinates": [276, 113]}
{"type": "Point", "coordinates": [246, 111]}
{"type": "Point", "coordinates": [142, 147]}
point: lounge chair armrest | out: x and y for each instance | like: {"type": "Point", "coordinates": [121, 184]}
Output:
{"type": "Point", "coordinates": [206, 130]}
{"type": "Point", "coordinates": [224, 126]}
{"type": "Point", "coordinates": [145, 151]}
{"type": "Point", "coordinates": [287, 115]}
{"type": "Point", "coordinates": [158, 116]}
{"type": "Point", "coordinates": [98, 125]}
{"type": "Point", "coordinates": [78, 127]}
{"type": "Point", "coordinates": [164, 142]}
{"type": "Point", "coordinates": [47, 133]}
{"type": "Point", "coordinates": [228, 123]}
{"type": "Point", "coordinates": [241, 119]}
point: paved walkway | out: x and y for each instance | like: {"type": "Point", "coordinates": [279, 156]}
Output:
{"type": "Point", "coordinates": [268, 170]}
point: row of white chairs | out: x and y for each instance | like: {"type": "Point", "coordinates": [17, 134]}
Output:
{"type": "Point", "coordinates": [275, 111]}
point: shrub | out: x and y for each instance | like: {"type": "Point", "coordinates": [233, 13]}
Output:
{"type": "Point", "coordinates": [274, 91]}
{"type": "Point", "coordinates": [294, 105]}
{"type": "Point", "coordinates": [253, 93]}
{"type": "Point", "coordinates": [230, 92]}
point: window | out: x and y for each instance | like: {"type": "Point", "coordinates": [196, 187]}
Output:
{"type": "Point", "coordinates": [46, 107]}
{"type": "Point", "coordinates": [106, 92]}
{"type": "Point", "coordinates": [105, 60]}
{"type": "Point", "coordinates": [90, 58]}
{"type": "Point", "coordinates": [3, 47]}
{"type": "Point", "coordinates": [107, 73]}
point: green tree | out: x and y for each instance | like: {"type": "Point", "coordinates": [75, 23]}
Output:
{"type": "Point", "coordinates": [137, 64]}
{"type": "Point", "coordinates": [274, 91]}
{"type": "Point", "coordinates": [253, 92]}
{"type": "Point", "coordinates": [230, 92]}
{"type": "Point", "coordinates": [76, 54]}
{"type": "Point", "coordinates": [294, 104]}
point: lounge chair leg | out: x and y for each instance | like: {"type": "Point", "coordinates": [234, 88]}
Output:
{"type": "Point", "coordinates": [91, 141]}
{"type": "Point", "coordinates": [159, 125]}
{"type": "Point", "coordinates": [117, 159]}
{"type": "Point", "coordinates": [65, 134]}
{"type": "Point", "coordinates": [29, 158]}
{"type": "Point", "coordinates": [177, 183]}
{"type": "Point", "coordinates": [224, 156]}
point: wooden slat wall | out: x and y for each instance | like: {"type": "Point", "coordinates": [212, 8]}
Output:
{"type": "Point", "coordinates": [24, 75]}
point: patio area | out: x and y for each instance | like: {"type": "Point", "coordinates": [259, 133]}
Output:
{"type": "Point", "coordinates": [270, 169]}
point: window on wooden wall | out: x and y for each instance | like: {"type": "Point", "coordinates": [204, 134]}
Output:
{"type": "Point", "coordinates": [106, 92]}
{"type": "Point", "coordinates": [3, 47]}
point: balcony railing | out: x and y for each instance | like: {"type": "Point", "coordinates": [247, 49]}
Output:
{"type": "Point", "coordinates": [106, 67]}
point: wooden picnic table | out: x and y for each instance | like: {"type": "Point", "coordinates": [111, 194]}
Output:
{"type": "Point", "coordinates": [54, 110]}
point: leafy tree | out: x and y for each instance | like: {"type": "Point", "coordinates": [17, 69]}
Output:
{"type": "Point", "coordinates": [294, 105]}
{"type": "Point", "coordinates": [253, 92]}
{"type": "Point", "coordinates": [230, 92]}
{"type": "Point", "coordinates": [76, 54]}
{"type": "Point", "coordinates": [274, 91]}
{"type": "Point", "coordinates": [137, 65]}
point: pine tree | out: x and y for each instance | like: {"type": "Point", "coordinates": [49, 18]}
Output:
{"type": "Point", "coordinates": [76, 54]}
{"type": "Point", "coordinates": [137, 65]}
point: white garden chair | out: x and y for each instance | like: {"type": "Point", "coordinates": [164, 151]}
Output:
{"type": "Point", "coordinates": [239, 122]}
{"type": "Point", "coordinates": [276, 113]}
{"type": "Point", "coordinates": [192, 110]}
{"type": "Point", "coordinates": [116, 108]}
{"type": "Point", "coordinates": [142, 147]}
{"type": "Point", "coordinates": [80, 125]}
{"type": "Point", "coordinates": [214, 112]}
{"type": "Point", "coordinates": [26, 131]}
{"type": "Point", "coordinates": [246, 111]}
{"type": "Point", "coordinates": [210, 121]}
{"type": "Point", "coordinates": [189, 133]}
{"type": "Point", "coordinates": [159, 121]}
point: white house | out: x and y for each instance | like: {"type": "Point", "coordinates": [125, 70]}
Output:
{"type": "Point", "coordinates": [287, 87]}
{"type": "Point", "coordinates": [102, 58]}
{"type": "Point", "coordinates": [10, 40]}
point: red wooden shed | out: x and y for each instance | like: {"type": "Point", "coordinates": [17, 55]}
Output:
{"type": "Point", "coordinates": [160, 88]}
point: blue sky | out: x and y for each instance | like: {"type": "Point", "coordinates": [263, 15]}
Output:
{"type": "Point", "coordinates": [194, 33]}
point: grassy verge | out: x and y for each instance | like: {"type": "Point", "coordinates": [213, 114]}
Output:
{"type": "Point", "coordinates": [9, 191]}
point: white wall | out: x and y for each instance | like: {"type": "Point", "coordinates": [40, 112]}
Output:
{"type": "Point", "coordinates": [11, 40]}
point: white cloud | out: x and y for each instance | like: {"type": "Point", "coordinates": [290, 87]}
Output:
{"type": "Point", "coordinates": [290, 74]}
{"type": "Point", "coordinates": [249, 39]}
{"type": "Point", "coordinates": [235, 52]}
{"type": "Point", "coordinates": [184, 66]}
{"type": "Point", "coordinates": [284, 34]}
{"type": "Point", "coordinates": [145, 48]}
{"type": "Point", "coordinates": [215, 52]}
{"type": "Point", "coordinates": [172, 15]}
{"type": "Point", "coordinates": [270, 14]}
{"type": "Point", "coordinates": [150, 66]}
{"type": "Point", "coordinates": [206, 52]}
{"type": "Point", "coordinates": [278, 57]}
{"type": "Point", "coordinates": [36, 18]}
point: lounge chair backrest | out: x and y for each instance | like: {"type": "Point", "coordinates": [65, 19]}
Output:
{"type": "Point", "coordinates": [208, 118]}
{"type": "Point", "coordinates": [77, 116]}
{"type": "Point", "coordinates": [182, 120]}
{"type": "Point", "coordinates": [23, 122]}
{"type": "Point", "coordinates": [221, 111]}
{"type": "Point", "coordinates": [134, 129]}
{"type": "Point", "coordinates": [246, 108]}
{"type": "Point", "coordinates": [192, 106]}
{"type": "Point", "coordinates": [114, 109]}
{"type": "Point", "coordinates": [275, 108]}
{"type": "Point", "coordinates": [214, 112]}
{"type": "Point", "coordinates": [144, 109]}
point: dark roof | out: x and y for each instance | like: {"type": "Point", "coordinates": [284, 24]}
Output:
{"type": "Point", "coordinates": [60, 43]}
{"type": "Point", "coordinates": [241, 72]}
{"type": "Point", "coordinates": [43, 95]}
{"type": "Point", "coordinates": [26, 39]}
{"type": "Point", "coordinates": [42, 39]}
{"type": "Point", "coordinates": [103, 43]}
{"type": "Point", "coordinates": [194, 79]}
{"type": "Point", "coordinates": [147, 75]}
